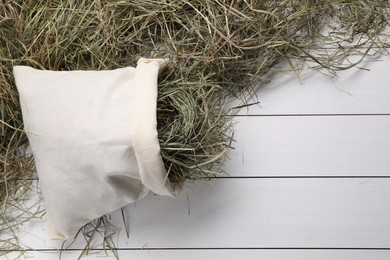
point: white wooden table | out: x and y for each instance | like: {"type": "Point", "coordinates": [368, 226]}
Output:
{"type": "Point", "coordinates": [309, 179]}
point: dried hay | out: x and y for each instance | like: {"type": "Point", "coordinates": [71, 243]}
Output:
{"type": "Point", "coordinates": [218, 49]}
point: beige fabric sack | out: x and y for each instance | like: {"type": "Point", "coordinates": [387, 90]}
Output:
{"type": "Point", "coordinates": [94, 140]}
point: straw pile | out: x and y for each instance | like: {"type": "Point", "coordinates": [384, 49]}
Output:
{"type": "Point", "coordinates": [219, 49]}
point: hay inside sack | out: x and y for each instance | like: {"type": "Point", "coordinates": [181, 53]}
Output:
{"type": "Point", "coordinates": [219, 49]}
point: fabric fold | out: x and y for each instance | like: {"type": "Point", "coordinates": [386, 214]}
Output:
{"type": "Point", "coordinates": [145, 136]}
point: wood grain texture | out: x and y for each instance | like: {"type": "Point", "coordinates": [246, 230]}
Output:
{"type": "Point", "coordinates": [354, 91]}
{"type": "Point", "coordinates": [310, 172]}
{"type": "Point", "coordinates": [311, 146]}
{"type": "Point", "coordinates": [254, 213]}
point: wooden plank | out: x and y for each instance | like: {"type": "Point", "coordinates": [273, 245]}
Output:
{"type": "Point", "coordinates": [355, 91]}
{"type": "Point", "coordinates": [254, 213]}
{"type": "Point", "coordinates": [232, 254]}
{"type": "Point", "coordinates": [311, 146]}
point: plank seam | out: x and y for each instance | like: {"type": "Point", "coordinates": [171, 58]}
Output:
{"type": "Point", "coordinates": [283, 177]}
{"type": "Point", "coordinates": [299, 177]}
{"type": "Point", "coordinates": [311, 115]}
{"type": "Point", "coordinates": [207, 248]}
